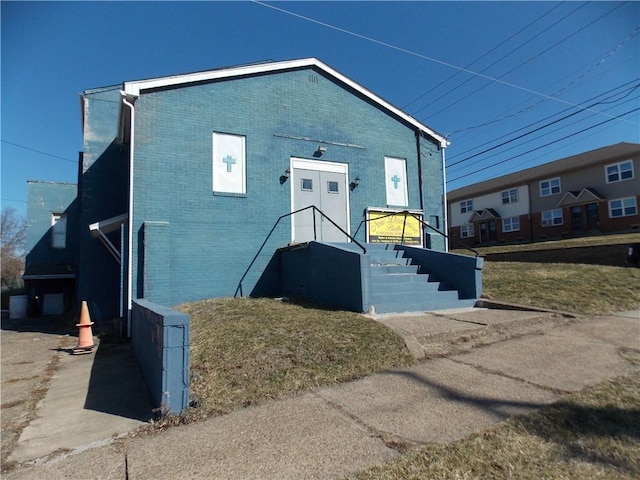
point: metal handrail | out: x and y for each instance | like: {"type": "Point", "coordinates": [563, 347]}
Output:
{"type": "Point", "coordinates": [364, 250]}
{"type": "Point", "coordinates": [426, 224]}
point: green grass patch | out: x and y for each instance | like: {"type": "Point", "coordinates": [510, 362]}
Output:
{"type": "Point", "coordinates": [591, 434]}
{"type": "Point", "coordinates": [245, 351]}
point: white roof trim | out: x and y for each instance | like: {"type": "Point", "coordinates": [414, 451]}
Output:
{"type": "Point", "coordinates": [136, 87]}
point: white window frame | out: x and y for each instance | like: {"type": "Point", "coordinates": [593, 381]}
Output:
{"type": "Point", "coordinates": [511, 221]}
{"type": "Point", "coordinates": [467, 230]}
{"type": "Point", "coordinates": [618, 172]}
{"type": "Point", "coordinates": [625, 203]}
{"type": "Point", "coordinates": [229, 180]}
{"type": "Point", "coordinates": [510, 196]}
{"type": "Point", "coordinates": [59, 231]}
{"type": "Point", "coordinates": [550, 187]}
{"type": "Point", "coordinates": [466, 206]}
{"type": "Point", "coordinates": [555, 214]}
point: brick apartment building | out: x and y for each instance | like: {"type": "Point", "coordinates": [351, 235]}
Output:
{"type": "Point", "coordinates": [593, 192]}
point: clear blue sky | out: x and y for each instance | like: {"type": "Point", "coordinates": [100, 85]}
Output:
{"type": "Point", "coordinates": [518, 66]}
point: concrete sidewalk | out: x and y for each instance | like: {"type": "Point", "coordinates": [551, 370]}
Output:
{"type": "Point", "coordinates": [480, 366]}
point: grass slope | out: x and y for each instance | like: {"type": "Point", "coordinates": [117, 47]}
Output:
{"type": "Point", "coordinates": [245, 351]}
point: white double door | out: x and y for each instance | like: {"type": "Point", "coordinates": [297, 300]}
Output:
{"type": "Point", "coordinates": [324, 185]}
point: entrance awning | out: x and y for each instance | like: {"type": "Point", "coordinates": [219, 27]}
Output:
{"type": "Point", "coordinates": [586, 195]}
{"type": "Point", "coordinates": [102, 228]}
{"type": "Point", "coordinates": [482, 215]}
{"type": "Point", "coordinates": [48, 271]}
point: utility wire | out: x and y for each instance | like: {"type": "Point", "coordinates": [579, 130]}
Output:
{"type": "Point", "coordinates": [529, 60]}
{"type": "Point", "coordinates": [491, 50]}
{"type": "Point", "coordinates": [7, 199]}
{"type": "Point", "coordinates": [538, 121]}
{"type": "Point", "coordinates": [410, 52]}
{"type": "Point", "coordinates": [562, 128]}
{"type": "Point", "coordinates": [557, 92]}
{"type": "Point", "coordinates": [497, 61]}
{"type": "Point", "coordinates": [39, 151]}
{"type": "Point", "coordinates": [540, 128]}
{"type": "Point", "coordinates": [540, 147]}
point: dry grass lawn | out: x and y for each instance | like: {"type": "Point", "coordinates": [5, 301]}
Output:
{"type": "Point", "coordinates": [591, 434]}
{"type": "Point", "coordinates": [245, 351]}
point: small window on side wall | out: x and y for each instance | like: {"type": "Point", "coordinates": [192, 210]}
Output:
{"type": "Point", "coordinates": [550, 187]}
{"type": "Point", "coordinates": [466, 206]}
{"type": "Point", "coordinates": [58, 230]}
{"type": "Point", "coordinates": [467, 230]}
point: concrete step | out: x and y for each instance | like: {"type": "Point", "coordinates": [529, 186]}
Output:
{"type": "Point", "coordinates": [427, 305]}
{"type": "Point", "coordinates": [388, 256]}
{"type": "Point", "coordinates": [402, 279]}
{"type": "Point", "coordinates": [387, 269]}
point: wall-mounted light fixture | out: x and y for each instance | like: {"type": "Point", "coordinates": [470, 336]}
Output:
{"type": "Point", "coordinates": [355, 183]}
{"type": "Point", "coordinates": [319, 151]}
{"type": "Point", "coordinates": [285, 176]}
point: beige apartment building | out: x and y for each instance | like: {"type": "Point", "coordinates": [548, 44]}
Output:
{"type": "Point", "coordinates": [593, 192]}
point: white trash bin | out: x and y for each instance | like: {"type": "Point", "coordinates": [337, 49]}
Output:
{"type": "Point", "coordinates": [18, 306]}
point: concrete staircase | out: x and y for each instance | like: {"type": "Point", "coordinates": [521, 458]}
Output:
{"type": "Point", "coordinates": [399, 285]}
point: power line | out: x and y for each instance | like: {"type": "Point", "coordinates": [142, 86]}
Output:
{"type": "Point", "coordinates": [7, 199]}
{"type": "Point", "coordinates": [410, 52]}
{"type": "Point", "coordinates": [541, 127]}
{"type": "Point", "coordinates": [561, 128]}
{"type": "Point", "coordinates": [538, 121]}
{"type": "Point", "coordinates": [494, 63]}
{"type": "Point", "coordinates": [39, 151]}
{"type": "Point", "coordinates": [479, 58]}
{"type": "Point", "coordinates": [540, 147]}
{"type": "Point", "coordinates": [557, 92]}
{"type": "Point", "coordinates": [530, 59]}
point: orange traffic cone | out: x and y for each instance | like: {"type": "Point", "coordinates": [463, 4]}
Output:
{"type": "Point", "coordinates": [85, 335]}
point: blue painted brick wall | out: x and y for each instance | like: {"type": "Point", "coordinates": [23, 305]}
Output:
{"type": "Point", "coordinates": [103, 184]}
{"type": "Point", "coordinates": [44, 199]}
{"type": "Point", "coordinates": [213, 238]}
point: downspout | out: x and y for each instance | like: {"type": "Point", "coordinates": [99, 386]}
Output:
{"type": "Point", "coordinates": [420, 179]}
{"type": "Point", "coordinates": [130, 232]}
{"type": "Point", "coordinates": [445, 206]}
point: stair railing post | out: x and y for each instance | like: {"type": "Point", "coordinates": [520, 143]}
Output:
{"type": "Point", "coordinates": [315, 238]}
{"type": "Point", "coordinates": [403, 226]}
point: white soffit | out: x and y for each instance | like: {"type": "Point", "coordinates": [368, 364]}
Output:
{"type": "Point", "coordinates": [136, 87]}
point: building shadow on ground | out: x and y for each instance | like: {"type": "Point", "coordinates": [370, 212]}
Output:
{"type": "Point", "coordinates": [116, 385]}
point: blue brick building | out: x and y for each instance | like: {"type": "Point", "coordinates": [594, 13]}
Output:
{"type": "Point", "coordinates": [183, 179]}
{"type": "Point", "coordinates": [52, 246]}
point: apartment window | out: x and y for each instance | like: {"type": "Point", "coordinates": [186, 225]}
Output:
{"type": "Point", "coordinates": [619, 171]}
{"type": "Point", "coordinates": [511, 224]}
{"type": "Point", "coordinates": [551, 218]}
{"type": "Point", "coordinates": [466, 231]}
{"type": "Point", "coordinates": [623, 207]}
{"type": "Point", "coordinates": [58, 230]}
{"type": "Point", "coordinates": [510, 196]}
{"type": "Point", "coordinates": [549, 187]}
{"type": "Point", "coordinates": [466, 206]}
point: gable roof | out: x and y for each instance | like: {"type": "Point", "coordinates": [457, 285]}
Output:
{"type": "Point", "coordinates": [486, 214]}
{"type": "Point", "coordinates": [135, 88]}
{"type": "Point", "coordinates": [586, 195]}
{"type": "Point", "coordinates": [599, 156]}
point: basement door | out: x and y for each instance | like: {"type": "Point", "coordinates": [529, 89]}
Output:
{"type": "Point", "coordinates": [323, 184]}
